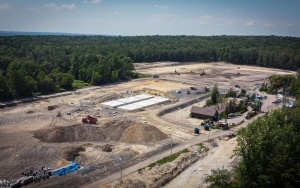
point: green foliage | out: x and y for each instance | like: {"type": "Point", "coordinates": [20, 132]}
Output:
{"type": "Point", "coordinates": [264, 87]}
{"type": "Point", "coordinates": [243, 93]}
{"type": "Point", "coordinates": [281, 81]}
{"type": "Point", "coordinates": [219, 178]}
{"type": "Point", "coordinates": [136, 75]}
{"type": "Point", "coordinates": [230, 93]}
{"type": "Point", "coordinates": [102, 59]}
{"type": "Point", "coordinates": [209, 102]}
{"type": "Point", "coordinates": [241, 107]}
{"type": "Point", "coordinates": [256, 105]}
{"type": "Point", "coordinates": [168, 159]}
{"type": "Point", "coordinates": [270, 151]}
{"type": "Point", "coordinates": [78, 84]}
{"type": "Point", "coordinates": [214, 94]}
{"type": "Point", "coordinates": [47, 85]}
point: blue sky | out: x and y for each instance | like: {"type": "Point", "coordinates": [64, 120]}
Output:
{"type": "Point", "coordinates": [153, 17]}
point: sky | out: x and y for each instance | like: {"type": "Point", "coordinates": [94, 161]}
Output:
{"type": "Point", "coordinates": [153, 17]}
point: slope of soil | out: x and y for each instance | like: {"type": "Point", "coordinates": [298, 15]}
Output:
{"type": "Point", "coordinates": [124, 131]}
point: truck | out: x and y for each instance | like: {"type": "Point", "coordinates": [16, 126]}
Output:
{"type": "Point", "coordinates": [89, 119]}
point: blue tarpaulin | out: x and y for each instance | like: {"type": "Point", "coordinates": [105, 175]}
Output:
{"type": "Point", "coordinates": [72, 167]}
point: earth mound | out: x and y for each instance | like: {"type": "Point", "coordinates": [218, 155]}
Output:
{"type": "Point", "coordinates": [121, 131]}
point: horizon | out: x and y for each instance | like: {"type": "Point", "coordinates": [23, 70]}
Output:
{"type": "Point", "coordinates": [153, 17]}
{"type": "Point", "coordinates": [40, 33]}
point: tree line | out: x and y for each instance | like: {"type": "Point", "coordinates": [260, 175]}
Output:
{"type": "Point", "coordinates": [45, 64]}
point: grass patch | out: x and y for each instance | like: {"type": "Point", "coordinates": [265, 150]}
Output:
{"type": "Point", "coordinates": [168, 159]}
{"type": "Point", "coordinates": [137, 75]}
{"type": "Point", "coordinates": [78, 84]}
{"type": "Point", "coordinates": [202, 148]}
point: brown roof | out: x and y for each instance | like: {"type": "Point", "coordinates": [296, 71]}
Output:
{"type": "Point", "coordinates": [208, 111]}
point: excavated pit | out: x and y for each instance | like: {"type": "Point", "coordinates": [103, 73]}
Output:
{"type": "Point", "coordinates": [121, 131]}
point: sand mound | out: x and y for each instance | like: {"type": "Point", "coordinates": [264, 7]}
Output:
{"type": "Point", "coordinates": [139, 133]}
{"type": "Point", "coordinates": [70, 134]}
{"type": "Point", "coordinates": [123, 131]}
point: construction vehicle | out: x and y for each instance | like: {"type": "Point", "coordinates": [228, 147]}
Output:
{"type": "Point", "coordinates": [203, 73]}
{"type": "Point", "coordinates": [89, 119]}
{"type": "Point", "coordinates": [58, 114]}
{"type": "Point", "coordinates": [206, 89]}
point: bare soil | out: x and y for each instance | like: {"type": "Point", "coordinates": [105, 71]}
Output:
{"type": "Point", "coordinates": [31, 136]}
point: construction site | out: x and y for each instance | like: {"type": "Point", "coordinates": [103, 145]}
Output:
{"type": "Point", "coordinates": [107, 129]}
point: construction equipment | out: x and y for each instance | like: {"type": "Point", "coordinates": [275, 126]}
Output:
{"type": "Point", "coordinates": [206, 89]}
{"type": "Point", "coordinates": [89, 119]}
{"type": "Point", "coordinates": [203, 73]}
{"type": "Point", "coordinates": [58, 114]}
{"type": "Point", "coordinates": [193, 88]}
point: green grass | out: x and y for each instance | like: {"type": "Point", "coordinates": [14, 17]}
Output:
{"type": "Point", "coordinates": [168, 159]}
{"type": "Point", "coordinates": [137, 75]}
{"type": "Point", "coordinates": [78, 84]}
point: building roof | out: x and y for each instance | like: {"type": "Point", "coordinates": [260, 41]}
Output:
{"type": "Point", "coordinates": [204, 111]}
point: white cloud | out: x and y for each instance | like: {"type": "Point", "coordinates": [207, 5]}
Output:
{"type": "Point", "coordinates": [202, 20]}
{"type": "Point", "coordinates": [116, 12]}
{"type": "Point", "coordinates": [92, 1]}
{"type": "Point", "coordinates": [5, 6]}
{"type": "Point", "coordinates": [250, 23]}
{"type": "Point", "coordinates": [268, 25]}
{"type": "Point", "coordinates": [161, 18]}
{"type": "Point", "coordinates": [55, 7]}
{"type": "Point", "coordinates": [161, 7]}
{"type": "Point", "coordinates": [69, 7]}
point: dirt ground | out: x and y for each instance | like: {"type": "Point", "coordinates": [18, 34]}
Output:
{"type": "Point", "coordinates": [31, 136]}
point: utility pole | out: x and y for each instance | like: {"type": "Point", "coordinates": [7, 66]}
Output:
{"type": "Point", "coordinates": [121, 169]}
{"type": "Point", "coordinates": [171, 146]}
{"type": "Point", "coordinates": [208, 134]}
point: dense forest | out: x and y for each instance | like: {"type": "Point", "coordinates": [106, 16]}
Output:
{"type": "Point", "coordinates": [46, 64]}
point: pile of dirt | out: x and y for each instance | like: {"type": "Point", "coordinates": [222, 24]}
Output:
{"type": "Point", "coordinates": [70, 153]}
{"type": "Point", "coordinates": [107, 148]}
{"type": "Point", "coordinates": [133, 132]}
{"type": "Point", "coordinates": [140, 133]}
{"type": "Point", "coordinates": [118, 131]}
{"type": "Point", "coordinates": [72, 133]}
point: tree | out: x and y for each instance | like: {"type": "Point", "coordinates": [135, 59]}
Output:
{"type": "Point", "coordinates": [46, 85]}
{"type": "Point", "coordinates": [66, 81]}
{"type": "Point", "coordinates": [270, 151]}
{"type": "Point", "coordinates": [4, 89]}
{"type": "Point", "coordinates": [214, 94]}
{"type": "Point", "coordinates": [219, 178]}
{"type": "Point", "coordinates": [96, 78]}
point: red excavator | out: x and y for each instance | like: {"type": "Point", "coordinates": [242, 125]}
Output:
{"type": "Point", "coordinates": [89, 119]}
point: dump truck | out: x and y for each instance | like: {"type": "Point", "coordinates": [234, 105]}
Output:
{"type": "Point", "coordinates": [89, 119]}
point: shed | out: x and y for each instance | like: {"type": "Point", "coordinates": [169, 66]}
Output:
{"type": "Point", "coordinates": [203, 113]}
